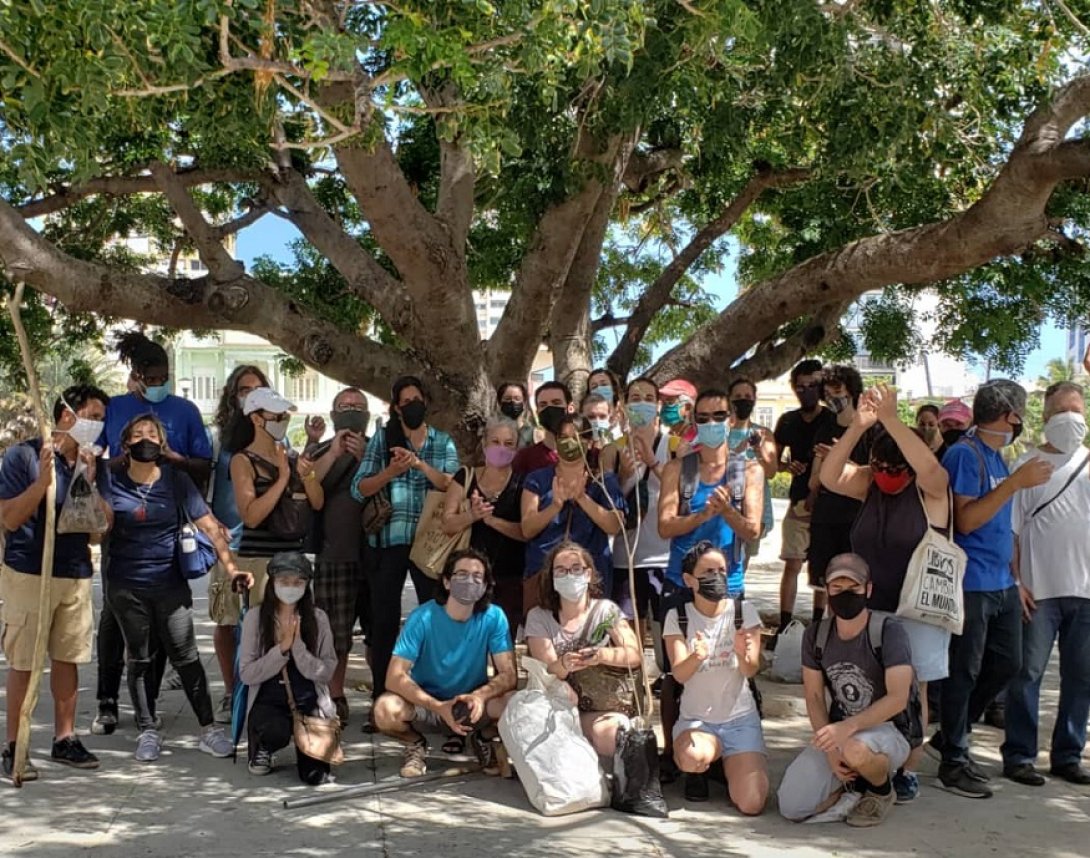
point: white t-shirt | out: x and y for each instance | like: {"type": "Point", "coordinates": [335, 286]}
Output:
{"type": "Point", "coordinates": [1055, 545]}
{"type": "Point", "coordinates": [717, 692]}
{"type": "Point", "coordinates": [650, 550]}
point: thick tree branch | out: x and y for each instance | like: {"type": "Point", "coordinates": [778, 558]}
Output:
{"type": "Point", "coordinates": [1006, 220]}
{"type": "Point", "coordinates": [658, 294]}
{"type": "Point", "coordinates": [249, 218]}
{"type": "Point", "coordinates": [821, 328]}
{"type": "Point", "coordinates": [457, 176]}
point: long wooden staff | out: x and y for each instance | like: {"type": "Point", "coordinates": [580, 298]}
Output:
{"type": "Point", "coordinates": [22, 741]}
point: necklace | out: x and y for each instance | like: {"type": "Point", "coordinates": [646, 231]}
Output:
{"type": "Point", "coordinates": [142, 491]}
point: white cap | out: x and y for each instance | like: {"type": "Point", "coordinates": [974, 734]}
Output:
{"type": "Point", "coordinates": [266, 399]}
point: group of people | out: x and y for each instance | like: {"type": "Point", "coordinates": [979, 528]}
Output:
{"type": "Point", "coordinates": [585, 526]}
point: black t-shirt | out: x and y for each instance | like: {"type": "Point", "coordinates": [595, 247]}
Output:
{"type": "Point", "coordinates": [829, 507]}
{"type": "Point", "coordinates": [508, 556]}
{"type": "Point", "coordinates": [797, 435]}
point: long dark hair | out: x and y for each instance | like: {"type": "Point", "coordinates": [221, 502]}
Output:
{"type": "Point", "coordinates": [308, 620]}
{"type": "Point", "coordinates": [550, 599]}
{"type": "Point", "coordinates": [395, 429]}
{"type": "Point", "coordinates": [228, 407]}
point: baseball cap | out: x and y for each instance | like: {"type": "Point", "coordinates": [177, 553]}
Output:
{"type": "Point", "coordinates": [848, 565]}
{"type": "Point", "coordinates": [955, 409]}
{"type": "Point", "coordinates": [678, 387]}
{"type": "Point", "coordinates": [266, 399]}
{"type": "Point", "coordinates": [290, 563]}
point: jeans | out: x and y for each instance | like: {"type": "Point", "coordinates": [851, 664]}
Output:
{"type": "Point", "coordinates": [163, 618]}
{"type": "Point", "coordinates": [983, 659]}
{"type": "Point", "coordinates": [269, 726]}
{"type": "Point", "coordinates": [1069, 619]}
{"type": "Point", "coordinates": [386, 578]}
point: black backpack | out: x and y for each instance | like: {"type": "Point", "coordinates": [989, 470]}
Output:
{"type": "Point", "coordinates": [910, 720]}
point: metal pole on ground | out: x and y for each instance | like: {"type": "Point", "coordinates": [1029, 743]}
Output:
{"type": "Point", "coordinates": [382, 787]}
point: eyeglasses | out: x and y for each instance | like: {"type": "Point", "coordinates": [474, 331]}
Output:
{"type": "Point", "coordinates": [462, 575]}
{"type": "Point", "coordinates": [575, 571]}
{"type": "Point", "coordinates": [718, 416]}
{"type": "Point", "coordinates": [883, 468]}
{"type": "Point", "coordinates": [358, 409]}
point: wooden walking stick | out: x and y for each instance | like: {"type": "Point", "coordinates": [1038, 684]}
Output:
{"type": "Point", "coordinates": [22, 741]}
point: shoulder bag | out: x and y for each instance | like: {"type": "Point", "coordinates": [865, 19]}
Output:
{"type": "Point", "coordinates": [194, 552]}
{"type": "Point", "coordinates": [603, 688]}
{"type": "Point", "coordinates": [431, 545]}
{"type": "Point", "coordinates": [932, 590]}
{"type": "Point", "coordinates": [315, 736]}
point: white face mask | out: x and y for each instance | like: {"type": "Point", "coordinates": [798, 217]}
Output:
{"type": "Point", "coordinates": [572, 588]}
{"type": "Point", "coordinates": [86, 432]}
{"type": "Point", "coordinates": [277, 430]}
{"type": "Point", "coordinates": [289, 595]}
{"type": "Point", "coordinates": [1065, 431]}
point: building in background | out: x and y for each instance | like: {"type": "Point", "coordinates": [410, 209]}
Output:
{"type": "Point", "coordinates": [1077, 338]}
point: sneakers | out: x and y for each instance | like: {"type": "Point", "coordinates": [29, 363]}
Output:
{"type": "Point", "coordinates": [415, 760]}
{"type": "Point", "coordinates": [870, 810]}
{"type": "Point", "coordinates": [956, 778]}
{"type": "Point", "coordinates": [148, 745]}
{"type": "Point", "coordinates": [222, 714]}
{"type": "Point", "coordinates": [1073, 773]}
{"type": "Point", "coordinates": [7, 764]}
{"type": "Point", "coordinates": [71, 752]}
{"type": "Point", "coordinates": [215, 742]}
{"type": "Point", "coordinates": [696, 787]}
{"type": "Point", "coordinates": [106, 721]}
{"type": "Point", "coordinates": [1025, 774]}
{"type": "Point", "coordinates": [906, 785]}
{"type": "Point", "coordinates": [261, 763]}
{"type": "Point", "coordinates": [935, 747]}
{"type": "Point", "coordinates": [485, 749]}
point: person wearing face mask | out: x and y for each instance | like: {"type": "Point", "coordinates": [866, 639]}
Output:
{"type": "Point", "coordinates": [833, 514]}
{"type": "Point", "coordinates": [955, 418]}
{"type": "Point", "coordinates": [988, 652]}
{"type": "Point", "coordinates": [1053, 570]}
{"type": "Point", "coordinates": [714, 649]}
{"type": "Point", "coordinates": [927, 421]}
{"type": "Point", "coordinates": [288, 635]}
{"type": "Point", "coordinates": [405, 459]}
{"type": "Point", "coordinates": [796, 431]}
{"type": "Point", "coordinates": [677, 399]}
{"type": "Point", "coordinates": [338, 570]}
{"type": "Point", "coordinates": [438, 675]}
{"type": "Point", "coordinates": [756, 443]}
{"type": "Point", "coordinates": [605, 383]}
{"type": "Point", "coordinates": [903, 490]}
{"type": "Point", "coordinates": [145, 587]}
{"type": "Point", "coordinates": [861, 661]}
{"type": "Point", "coordinates": [573, 632]}
{"type": "Point", "coordinates": [569, 501]}
{"type": "Point", "coordinates": [598, 414]}
{"type": "Point", "coordinates": [28, 469]}
{"type": "Point", "coordinates": [553, 401]}
{"type": "Point", "coordinates": [513, 401]}
{"type": "Point", "coordinates": [494, 514]}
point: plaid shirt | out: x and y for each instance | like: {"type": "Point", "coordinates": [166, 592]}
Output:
{"type": "Point", "coordinates": [407, 491]}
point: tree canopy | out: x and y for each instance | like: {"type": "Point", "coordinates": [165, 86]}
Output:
{"type": "Point", "coordinates": [589, 156]}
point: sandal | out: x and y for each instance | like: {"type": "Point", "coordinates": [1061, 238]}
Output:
{"type": "Point", "coordinates": [454, 744]}
{"type": "Point", "coordinates": [485, 749]}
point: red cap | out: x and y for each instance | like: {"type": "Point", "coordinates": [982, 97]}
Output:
{"type": "Point", "coordinates": [678, 387]}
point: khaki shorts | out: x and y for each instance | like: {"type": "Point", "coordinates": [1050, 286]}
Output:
{"type": "Point", "coordinates": [796, 533]}
{"type": "Point", "coordinates": [224, 606]}
{"type": "Point", "coordinates": [71, 618]}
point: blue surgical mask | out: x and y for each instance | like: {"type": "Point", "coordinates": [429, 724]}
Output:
{"type": "Point", "coordinates": [642, 414]}
{"type": "Point", "coordinates": [671, 414]}
{"type": "Point", "coordinates": [711, 434]}
{"type": "Point", "coordinates": [604, 391]}
{"type": "Point", "coordinates": [600, 426]}
{"type": "Point", "coordinates": [157, 393]}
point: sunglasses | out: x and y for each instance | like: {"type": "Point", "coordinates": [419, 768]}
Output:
{"type": "Point", "coordinates": [717, 416]}
{"type": "Point", "coordinates": [882, 468]}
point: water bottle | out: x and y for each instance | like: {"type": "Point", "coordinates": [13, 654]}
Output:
{"type": "Point", "coordinates": [189, 539]}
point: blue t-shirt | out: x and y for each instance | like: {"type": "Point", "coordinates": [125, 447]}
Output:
{"type": "Point", "coordinates": [448, 657]}
{"type": "Point", "coordinates": [583, 530]}
{"type": "Point", "coordinates": [185, 429]}
{"type": "Point", "coordinates": [146, 528]}
{"type": "Point", "coordinates": [991, 546]}
{"type": "Point", "coordinates": [23, 548]}
{"type": "Point", "coordinates": [714, 530]}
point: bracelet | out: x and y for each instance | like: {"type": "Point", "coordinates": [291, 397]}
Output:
{"type": "Point", "coordinates": [310, 477]}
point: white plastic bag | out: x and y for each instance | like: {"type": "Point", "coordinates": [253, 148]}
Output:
{"type": "Point", "coordinates": [787, 660]}
{"type": "Point", "coordinates": [540, 730]}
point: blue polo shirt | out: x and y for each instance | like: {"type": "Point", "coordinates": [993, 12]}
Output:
{"type": "Point", "coordinates": [975, 469]}
{"type": "Point", "coordinates": [23, 549]}
{"type": "Point", "coordinates": [185, 429]}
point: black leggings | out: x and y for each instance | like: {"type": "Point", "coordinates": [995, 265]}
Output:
{"type": "Point", "coordinates": [269, 726]}
{"type": "Point", "coordinates": [160, 619]}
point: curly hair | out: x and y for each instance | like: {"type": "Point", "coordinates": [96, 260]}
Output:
{"type": "Point", "coordinates": [846, 376]}
{"type": "Point", "coordinates": [140, 353]}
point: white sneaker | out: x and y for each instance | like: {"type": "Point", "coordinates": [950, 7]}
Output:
{"type": "Point", "coordinates": [215, 742]}
{"type": "Point", "coordinates": [148, 746]}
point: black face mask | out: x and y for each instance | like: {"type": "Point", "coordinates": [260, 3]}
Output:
{"type": "Point", "coordinates": [512, 409]}
{"type": "Point", "coordinates": [742, 408]}
{"type": "Point", "coordinates": [145, 451]}
{"type": "Point", "coordinates": [847, 604]}
{"type": "Point", "coordinates": [1016, 430]}
{"type": "Point", "coordinates": [809, 398]}
{"type": "Point", "coordinates": [714, 588]}
{"type": "Point", "coordinates": [951, 436]}
{"type": "Point", "coordinates": [550, 417]}
{"type": "Point", "coordinates": [412, 413]}
{"type": "Point", "coordinates": [353, 421]}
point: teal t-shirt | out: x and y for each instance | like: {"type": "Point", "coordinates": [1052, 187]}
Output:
{"type": "Point", "coordinates": [448, 657]}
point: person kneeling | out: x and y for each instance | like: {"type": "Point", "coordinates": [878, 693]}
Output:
{"type": "Point", "coordinates": [438, 675]}
{"type": "Point", "coordinates": [859, 742]}
{"type": "Point", "coordinates": [714, 649]}
{"type": "Point", "coordinates": [287, 637]}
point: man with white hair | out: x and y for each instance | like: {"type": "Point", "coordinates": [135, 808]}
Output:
{"type": "Point", "coordinates": [1054, 581]}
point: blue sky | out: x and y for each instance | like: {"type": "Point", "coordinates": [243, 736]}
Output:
{"type": "Point", "coordinates": [270, 237]}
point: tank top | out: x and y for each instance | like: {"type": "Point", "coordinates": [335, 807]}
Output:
{"type": "Point", "coordinates": [886, 532]}
{"type": "Point", "coordinates": [717, 532]}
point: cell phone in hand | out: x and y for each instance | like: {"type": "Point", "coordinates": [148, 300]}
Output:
{"type": "Point", "coordinates": [460, 711]}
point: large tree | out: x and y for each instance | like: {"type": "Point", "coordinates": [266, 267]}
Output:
{"type": "Point", "coordinates": [590, 156]}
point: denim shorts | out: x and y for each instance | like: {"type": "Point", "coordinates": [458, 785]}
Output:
{"type": "Point", "coordinates": [738, 736]}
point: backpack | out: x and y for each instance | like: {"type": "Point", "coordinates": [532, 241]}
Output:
{"type": "Point", "coordinates": [687, 481]}
{"type": "Point", "coordinates": [637, 500]}
{"type": "Point", "coordinates": [690, 475]}
{"type": "Point", "coordinates": [909, 722]}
